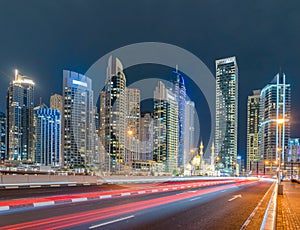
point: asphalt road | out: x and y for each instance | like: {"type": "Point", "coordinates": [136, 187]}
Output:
{"type": "Point", "coordinates": [217, 207]}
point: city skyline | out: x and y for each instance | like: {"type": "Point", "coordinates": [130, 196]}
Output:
{"type": "Point", "coordinates": [259, 52]}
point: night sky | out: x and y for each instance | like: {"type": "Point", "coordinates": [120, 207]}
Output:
{"type": "Point", "coordinates": [41, 38]}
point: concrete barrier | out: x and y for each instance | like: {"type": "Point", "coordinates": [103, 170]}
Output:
{"type": "Point", "coordinates": [21, 179]}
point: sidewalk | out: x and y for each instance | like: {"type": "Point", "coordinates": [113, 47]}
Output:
{"type": "Point", "coordinates": [288, 212]}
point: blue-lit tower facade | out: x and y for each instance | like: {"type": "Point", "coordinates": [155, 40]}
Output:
{"type": "Point", "coordinates": [47, 143]}
{"type": "Point", "coordinates": [275, 105]}
{"type": "Point", "coordinates": [180, 92]}
{"type": "Point", "coordinates": [2, 136]}
{"type": "Point", "coordinates": [78, 120]}
{"type": "Point", "coordinates": [19, 117]}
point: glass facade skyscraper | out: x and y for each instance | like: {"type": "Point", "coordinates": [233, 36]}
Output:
{"type": "Point", "coordinates": [78, 120]}
{"type": "Point", "coordinates": [113, 117]}
{"type": "Point", "coordinates": [226, 114]}
{"type": "Point", "coordinates": [189, 131]}
{"type": "Point", "coordinates": [47, 144]}
{"type": "Point", "coordinates": [166, 129]}
{"type": "Point", "coordinates": [180, 92]}
{"type": "Point", "coordinates": [275, 104]}
{"type": "Point", "coordinates": [20, 119]}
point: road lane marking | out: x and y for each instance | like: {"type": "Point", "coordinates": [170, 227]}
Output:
{"type": "Point", "coordinates": [111, 222]}
{"type": "Point", "coordinates": [165, 189]}
{"type": "Point", "coordinates": [39, 204]}
{"type": "Point", "coordinates": [197, 198]}
{"type": "Point", "coordinates": [9, 187]}
{"type": "Point", "coordinates": [234, 197]}
{"type": "Point", "coordinates": [141, 192]}
{"type": "Point", "coordinates": [126, 194]}
{"type": "Point", "coordinates": [4, 208]}
{"type": "Point", "coordinates": [155, 190]}
{"type": "Point", "coordinates": [105, 196]}
{"type": "Point", "coordinates": [35, 186]}
{"type": "Point", "coordinates": [79, 199]}
{"type": "Point", "coordinates": [55, 185]}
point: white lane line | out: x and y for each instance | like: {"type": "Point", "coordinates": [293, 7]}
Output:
{"type": "Point", "coordinates": [79, 199]}
{"type": "Point", "coordinates": [55, 185]}
{"type": "Point", "coordinates": [72, 184]}
{"type": "Point", "coordinates": [155, 190]}
{"type": "Point", "coordinates": [35, 186]}
{"type": "Point", "coordinates": [197, 198]}
{"type": "Point", "coordinates": [105, 196]}
{"type": "Point", "coordinates": [110, 222]}
{"type": "Point", "coordinates": [4, 208]}
{"type": "Point", "coordinates": [126, 194]}
{"type": "Point", "coordinates": [165, 189]}
{"type": "Point", "coordinates": [9, 187]}
{"type": "Point", "coordinates": [39, 204]}
{"type": "Point", "coordinates": [141, 192]}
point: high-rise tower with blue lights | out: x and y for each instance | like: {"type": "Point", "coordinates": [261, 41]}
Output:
{"type": "Point", "coordinates": [180, 91]}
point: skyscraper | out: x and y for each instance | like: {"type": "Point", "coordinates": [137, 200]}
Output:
{"type": "Point", "coordinates": [226, 113]}
{"type": "Point", "coordinates": [78, 120]}
{"type": "Point", "coordinates": [113, 116]}
{"type": "Point", "coordinates": [133, 115]}
{"type": "Point", "coordinates": [252, 128]}
{"type": "Point", "coordinates": [147, 130]}
{"type": "Point", "coordinates": [166, 129]}
{"type": "Point", "coordinates": [189, 131]}
{"type": "Point", "coordinates": [47, 123]}
{"type": "Point", "coordinates": [57, 102]}
{"type": "Point", "coordinates": [2, 136]}
{"type": "Point", "coordinates": [20, 119]}
{"type": "Point", "coordinates": [293, 150]}
{"type": "Point", "coordinates": [180, 92]}
{"type": "Point", "coordinates": [275, 104]}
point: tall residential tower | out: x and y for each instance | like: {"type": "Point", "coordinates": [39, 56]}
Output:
{"type": "Point", "coordinates": [166, 129]}
{"type": "Point", "coordinates": [275, 105]}
{"type": "Point", "coordinates": [19, 116]}
{"type": "Point", "coordinates": [226, 114]}
{"type": "Point", "coordinates": [78, 120]}
{"type": "Point", "coordinates": [179, 91]}
{"type": "Point", "coordinates": [252, 128]}
{"type": "Point", "coordinates": [113, 117]}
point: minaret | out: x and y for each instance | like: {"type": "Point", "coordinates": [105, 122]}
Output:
{"type": "Point", "coordinates": [201, 148]}
{"type": "Point", "coordinates": [201, 153]}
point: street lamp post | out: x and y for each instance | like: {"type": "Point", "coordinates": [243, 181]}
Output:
{"type": "Point", "coordinates": [280, 186]}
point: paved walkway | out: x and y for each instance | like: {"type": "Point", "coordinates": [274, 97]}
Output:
{"type": "Point", "coordinates": [288, 213]}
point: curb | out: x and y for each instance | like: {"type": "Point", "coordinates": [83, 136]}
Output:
{"type": "Point", "coordinates": [269, 221]}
